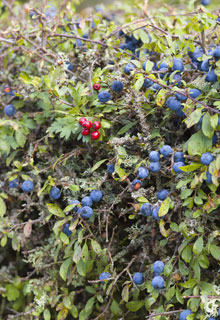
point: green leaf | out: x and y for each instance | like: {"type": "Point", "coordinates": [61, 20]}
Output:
{"type": "Point", "coordinates": [126, 128]}
{"type": "Point", "coordinates": [139, 83]}
{"type": "Point", "coordinates": [215, 251]}
{"type": "Point", "coordinates": [12, 292]}
{"type": "Point", "coordinates": [198, 246]}
{"type": "Point", "coordinates": [193, 118]}
{"type": "Point", "coordinates": [98, 164]}
{"type": "Point", "coordinates": [55, 210]}
{"type": "Point", "coordinates": [2, 207]}
{"type": "Point", "coordinates": [198, 144]}
{"type": "Point", "coordinates": [187, 254]}
{"type": "Point", "coordinates": [125, 293]}
{"type": "Point", "coordinates": [207, 129]}
{"type": "Point", "coordinates": [170, 293]}
{"type": "Point", "coordinates": [47, 315]}
{"type": "Point", "coordinates": [64, 268]}
{"type": "Point", "coordinates": [134, 305]}
{"type": "Point", "coordinates": [191, 167]}
{"type": "Point", "coordinates": [148, 66]}
{"type": "Point", "coordinates": [73, 187]}
{"type": "Point", "coordinates": [20, 137]}
{"type": "Point", "coordinates": [179, 296]}
{"type": "Point", "coordinates": [164, 208]}
{"type": "Point", "coordinates": [214, 120]}
{"type": "Point", "coordinates": [64, 238]}
{"type": "Point", "coordinates": [96, 247]}
{"type": "Point", "coordinates": [203, 261]}
{"type": "Point", "coordinates": [149, 302]}
{"type": "Point", "coordinates": [81, 267]}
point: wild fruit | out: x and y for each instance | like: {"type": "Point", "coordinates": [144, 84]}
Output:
{"type": "Point", "coordinates": [166, 151]}
{"type": "Point", "coordinates": [154, 156]}
{"type": "Point", "coordinates": [177, 165]}
{"type": "Point", "coordinates": [13, 183]}
{"type": "Point", "coordinates": [173, 104]}
{"type": "Point", "coordinates": [194, 93]}
{"type": "Point", "coordinates": [178, 156]}
{"type": "Point", "coordinates": [154, 166]}
{"type": "Point", "coordinates": [27, 186]}
{"type": "Point", "coordinates": [138, 278]}
{"type": "Point", "coordinates": [162, 194]}
{"type": "Point", "coordinates": [87, 201]}
{"type": "Point", "coordinates": [85, 132]}
{"type": "Point", "coordinates": [178, 65]}
{"type": "Point", "coordinates": [136, 184]}
{"type": "Point", "coordinates": [117, 86]}
{"type": "Point", "coordinates": [96, 125]}
{"type": "Point", "coordinates": [96, 195]}
{"type": "Point", "coordinates": [82, 120]}
{"type": "Point", "coordinates": [128, 68]}
{"type": "Point", "coordinates": [142, 172]}
{"type": "Point", "coordinates": [184, 314]}
{"type": "Point", "coordinates": [104, 276]}
{"type": "Point", "coordinates": [104, 96]}
{"type": "Point", "coordinates": [87, 124]}
{"type": "Point", "coordinates": [111, 168]}
{"type": "Point", "coordinates": [10, 110]}
{"type": "Point", "coordinates": [206, 158]}
{"type": "Point", "coordinates": [96, 86]}
{"type": "Point", "coordinates": [66, 229]}
{"type": "Point", "coordinates": [158, 267]}
{"type": "Point", "coordinates": [86, 212]}
{"type": "Point", "coordinates": [155, 213]}
{"type": "Point", "coordinates": [95, 135]}
{"type": "Point", "coordinates": [158, 282]}
{"type": "Point", "coordinates": [146, 209]}
{"type": "Point", "coordinates": [55, 193]}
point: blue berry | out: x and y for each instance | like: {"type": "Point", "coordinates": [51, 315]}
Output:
{"type": "Point", "coordinates": [96, 195]}
{"type": "Point", "coordinates": [87, 201]}
{"type": "Point", "coordinates": [111, 168]}
{"type": "Point", "coordinates": [69, 66]}
{"type": "Point", "coordinates": [219, 308]}
{"type": "Point", "coordinates": [136, 184]}
{"type": "Point", "coordinates": [162, 194]}
{"type": "Point", "coordinates": [161, 65]}
{"type": "Point", "coordinates": [55, 193]}
{"type": "Point", "coordinates": [177, 165]}
{"type": "Point", "coordinates": [216, 53]}
{"type": "Point", "coordinates": [104, 276]}
{"type": "Point", "coordinates": [10, 110]}
{"type": "Point", "coordinates": [146, 209]}
{"type": "Point", "coordinates": [104, 96]}
{"type": "Point", "coordinates": [50, 12]}
{"type": "Point", "coordinates": [142, 172]}
{"type": "Point", "coordinates": [86, 212]}
{"type": "Point", "coordinates": [158, 282]}
{"type": "Point", "coordinates": [13, 183]}
{"type": "Point", "coordinates": [181, 97]}
{"type": "Point", "coordinates": [158, 267]}
{"type": "Point", "coordinates": [184, 314]}
{"type": "Point", "coordinates": [194, 93]}
{"type": "Point", "coordinates": [205, 2]}
{"type": "Point", "coordinates": [177, 79]}
{"type": "Point", "coordinates": [211, 76]}
{"type": "Point", "coordinates": [147, 83]}
{"type": "Point", "coordinates": [178, 65]}
{"type": "Point", "coordinates": [76, 202]}
{"type": "Point", "coordinates": [166, 150]}
{"type": "Point", "coordinates": [117, 86]}
{"type": "Point", "coordinates": [155, 213]}
{"type": "Point", "coordinates": [66, 229]}
{"type": "Point", "coordinates": [27, 186]}
{"type": "Point", "coordinates": [154, 156]}
{"type": "Point", "coordinates": [180, 112]}
{"type": "Point", "coordinates": [206, 158]}
{"type": "Point", "coordinates": [156, 87]}
{"type": "Point", "coordinates": [205, 66]}
{"type": "Point", "coordinates": [178, 156]}
{"type": "Point", "coordinates": [173, 104]}
{"type": "Point", "coordinates": [154, 166]}
{"type": "Point", "coordinates": [128, 68]}
{"type": "Point", "coordinates": [138, 278]}
{"type": "Point", "coordinates": [212, 318]}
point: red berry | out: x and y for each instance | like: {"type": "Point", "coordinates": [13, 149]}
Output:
{"type": "Point", "coordinates": [87, 124]}
{"type": "Point", "coordinates": [7, 89]}
{"type": "Point", "coordinates": [85, 132]}
{"type": "Point", "coordinates": [82, 120]}
{"type": "Point", "coordinates": [95, 135]}
{"type": "Point", "coordinates": [96, 125]}
{"type": "Point", "coordinates": [96, 86]}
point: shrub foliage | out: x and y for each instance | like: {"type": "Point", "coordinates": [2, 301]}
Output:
{"type": "Point", "coordinates": [150, 62]}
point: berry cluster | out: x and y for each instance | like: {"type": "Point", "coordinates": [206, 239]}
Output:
{"type": "Point", "coordinates": [87, 125]}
